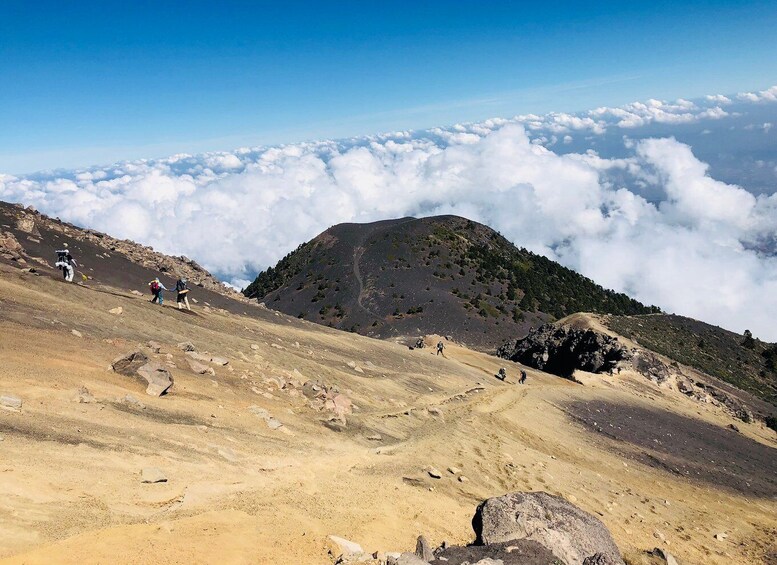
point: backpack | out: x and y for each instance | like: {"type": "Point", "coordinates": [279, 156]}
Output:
{"type": "Point", "coordinates": [154, 286]}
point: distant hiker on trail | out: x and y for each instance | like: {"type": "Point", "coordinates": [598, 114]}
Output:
{"type": "Point", "coordinates": [66, 263]}
{"type": "Point", "coordinates": [440, 347]}
{"type": "Point", "coordinates": [502, 375]}
{"type": "Point", "coordinates": [522, 380]}
{"type": "Point", "coordinates": [183, 292]}
{"type": "Point", "coordinates": [157, 287]}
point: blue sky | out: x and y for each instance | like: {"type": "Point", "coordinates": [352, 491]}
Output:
{"type": "Point", "coordinates": [87, 83]}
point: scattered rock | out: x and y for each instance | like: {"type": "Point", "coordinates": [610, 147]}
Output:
{"type": "Point", "coordinates": [664, 555]}
{"type": "Point", "coordinates": [721, 536]}
{"type": "Point", "coordinates": [659, 535]}
{"type": "Point", "coordinates": [572, 534]}
{"type": "Point", "coordinates": [375, 437]}
{"type": "Point", "coordinates": [733, 427]}
{"type": "Point", "coordinates": [463, 479]}
{"type": "Point", "coordinates": [136, 292]}
{"type": "Point", "coordinates": [155, 347]}
{"type": "Point", "coordinates": [159, 379]}
{"type": "Point", "coordinates": [27, 225]}
{"type": "Point", "coordinates": [186, 346]}
{"type": "Point", "coordinates": [12, 403]}
{"type": "Point", "coordinates": [199, 368]}
{"type": "Point", "coordinates": [254, 347]}
{"type": "Point", "coordinates": [423, 549]}
{"type": "Point", "coordinates": [454, 470]}
{"type": "Point", "coordinates": [152, 475]}
{"type": "Point", "coordinates": [76, 333]}
{"type": "Point", "coordinates": [272, 422]}
{"type": "Point", "coordinates": [83, 396]}
{"type": "Point", "coordinates": [407, 559]}
{"type": "Point", "coordinates": [219, 361]}
{"type": "Point", "coordinates": [434, 473]}
{"type": "Point", "coordinates": [339, 547]}
{"type": "Point", "coordinates": [118, 310]}
{"type": "Point", "coordinates": [128, 364]}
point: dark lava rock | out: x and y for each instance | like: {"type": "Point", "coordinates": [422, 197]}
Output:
{"type": "Point", "coordinates": [560, 350]}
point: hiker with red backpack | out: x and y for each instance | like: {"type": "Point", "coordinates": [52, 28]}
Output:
{"type": "Point", "coordinates": [157, 287]}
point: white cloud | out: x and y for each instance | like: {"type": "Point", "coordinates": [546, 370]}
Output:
{"type": "Point", "coordinates": [691, 251]}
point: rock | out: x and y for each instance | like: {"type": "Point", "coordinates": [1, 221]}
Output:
{"type": "Point", "coordinates": [155, 347]}
{"type": "Point", "coordinates": [375, 437]}
{"type": "Point", "coordinates": [454, 470]}
{"type": "Point", "coordinates": [342, 406]}
{"type": "Point", "coordinates": [199, 368]}
{"type": "Point", "coordinates": [463, 479]}
{"type": "Point", "coordinates": [130, 400]}
{"type": "Point", "coordinates": [514, 552]}
{"type": "Point", "coordinates": [186, 346]}
{"type": "Point", "coordinates": [561, 350]}
{"type": "Point", "coordinates": [407, 559]}
{"type": "Point", "coordinates": [339, 547]}
{"type": "Point", "coordinates": [152, 475]}
{"type": "Point", "coordinates": [597, 559]}
{"type": "Point", "coordinates": [254, 347]}
{"type": "Point", "coordinates": [659, 535]}
{"type": "Point", "coordinates": [10, 246]}
{"type": "Point", "coordinates": [159, 379]}
{"type": "Point", "coordinates": [423, 549]}
{"type": "Point", "coordinates": [434, 473]}
{"type": "Point", "coordinates": [721, 536]}
{"type": "Point", "coordinates": [272, 423]}
{"type": "Point", "coordinates": [136, 292]}
{"type": "Point", "coordinates": [76, 333]}
{"type": "Point", "coordinates": [118, 310]}
{"type": "Point", "coordinates": [664, 555]}
{"type": "Point", "coordinates": [27, 225]}
{"type": "Point", "coordinates": [219, 361]}
{"type": "Point", "coordinates": [83, 396]}
{"type": "Point", "coordinates": [12, 403]}
{"type": "Point", "coordinates": [128, 364]}
{"type": "Point", "coordinates": [568, 531]}
{"type": "Point", "coordinates": [733, 427]}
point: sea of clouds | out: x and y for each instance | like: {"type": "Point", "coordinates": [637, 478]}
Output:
{"type": "Point", "coordinates": [617, 194]}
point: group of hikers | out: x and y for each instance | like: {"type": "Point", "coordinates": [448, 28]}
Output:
{"type": "Point", "coordinates": [502, 376]}
{"type": "Point", "coordinates": [66, 263]}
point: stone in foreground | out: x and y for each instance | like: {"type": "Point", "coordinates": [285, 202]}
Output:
{"type": "Point", "coordinates": [571, 533]}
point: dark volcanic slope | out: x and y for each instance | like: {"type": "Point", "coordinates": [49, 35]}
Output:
{"type": "Point", "coordinates": [445, 275]}
{"type": "Point", "coordinates": [108, 262]}
{"type": "Point", "coordinates": [747, 363]}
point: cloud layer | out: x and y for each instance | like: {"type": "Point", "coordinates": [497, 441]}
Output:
{"type": "Point", "coordinates": [651, 221]}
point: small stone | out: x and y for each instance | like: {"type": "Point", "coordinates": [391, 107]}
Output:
{"type": "Point", "coordinates": [198, 367]}
{"type": "Point", "coordinates": [721, 536]}
{"type": "Point", "coordinates": [117, 311]}
{"type": "Point", "coordinates": [454, 470]}
{"type": "Point", "coordinates": [463, 479]}
{"type": "Point", "coordinates": [434, 473]}
{"type": "Point", "coordinates": [375, 437]}
{"type": "Point", "coordinates": [76, 333]}
{"type": "Point", "coordinates": [152, 475]}
{"type": "Point", "coordinates": [659, 535]}
{"type": "Point", "coordinates": [254, 347]}
{"type": "Point", "coordinates": [12, 403]}
{"type": "Point", "coordinates": [186, 346]}
{"type": "Point", "coordinates": [136, 292]}
{"type": "Point", "coordinates": [156, 347]}
{"type": "Point", "coordinates": [83, 396]}
{"type": "Point", "coordinates": [219, 361]}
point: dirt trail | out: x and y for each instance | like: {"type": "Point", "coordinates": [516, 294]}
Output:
{"type": "Point", "coordinates": [239, 492]}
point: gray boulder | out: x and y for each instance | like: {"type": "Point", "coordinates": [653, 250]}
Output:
{"type": "Point", "coordinates": [569, 532]}
{"type": "Point", "coordinates": [158, 378]}
{"type": "Point", "coordinates": [129, 364]}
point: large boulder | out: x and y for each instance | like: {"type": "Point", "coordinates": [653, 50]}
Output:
{"type": "Point", "coordinates": [515, 552]}
{"type": "Point", "coordinates": [569, 532]}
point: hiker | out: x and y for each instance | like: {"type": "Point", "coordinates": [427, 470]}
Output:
{"type": "Point", "coordinates": [502, 375]}
{"type": "Point", "coordinates": [440, 347]}
{"type": "Point", "coordinates": [157, 287]}
{"type": "Point", "coordinates": [522, 380]}
{"type": "Point", "coordinates": [183, 293]}
{"type": "Point", "coordinates": [66, 263]}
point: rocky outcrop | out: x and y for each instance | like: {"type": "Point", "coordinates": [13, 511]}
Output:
{"type": "Point", "coordinates": [569, 532]}
{"type": "Point", "coordinates": [10, 248]}
{"type": "Point", "coordinates": [561, 350]}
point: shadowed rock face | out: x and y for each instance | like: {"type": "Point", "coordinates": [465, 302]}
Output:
{"type": "Point", "coordinates": [561, 350]}
{"type": "Point", "coordinates": [514, 552]}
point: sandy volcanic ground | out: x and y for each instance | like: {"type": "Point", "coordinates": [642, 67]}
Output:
{"type": "Point", "coordinates": [650, 463]}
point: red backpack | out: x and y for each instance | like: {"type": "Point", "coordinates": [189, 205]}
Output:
{"type": "Point", "coordinates": [154, 287]}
